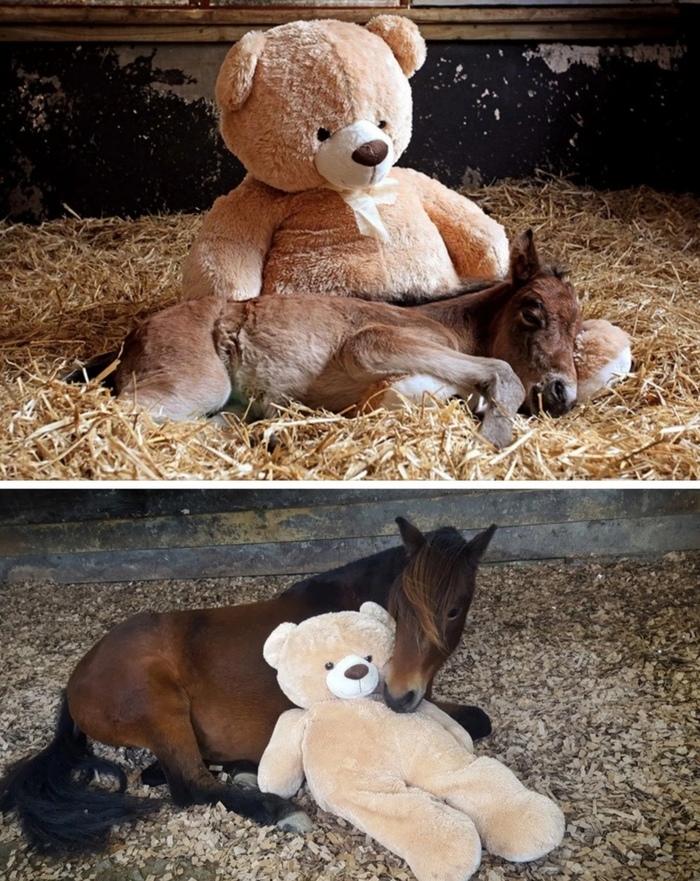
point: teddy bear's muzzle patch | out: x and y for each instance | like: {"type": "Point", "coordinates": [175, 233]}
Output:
{"type": "Point", "coordinates": [353, 677]}
{"type": "Point", "coordinates": [354, 157]}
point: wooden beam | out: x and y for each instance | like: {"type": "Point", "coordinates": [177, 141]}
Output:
{"type": "Point", "coordinates": [640, 536]}
{"type": "Point", "coordinates": [305, 521]}
{"type": "Point", "coordinates": [185, 25]}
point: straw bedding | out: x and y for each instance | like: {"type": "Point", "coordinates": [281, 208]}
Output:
{"type": "Point", "coordinates": [590, 675]}
{"type": "Point", "coordinates": [74, 287]}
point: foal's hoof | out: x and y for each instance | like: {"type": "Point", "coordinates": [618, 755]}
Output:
{"type": "Point", "coordinates": [474, 720]}
{"type": "Point", "coordinates": [497, 429]}
{"type": "Point", "coordinates": [297, 822]}
{"type": "Point", "coordinates": [246, 779]}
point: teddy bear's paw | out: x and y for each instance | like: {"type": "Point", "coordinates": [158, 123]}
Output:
{"type": "Point", "coordinates": [297, 822]}
{"type": "Point", "coordinates": [452, 857]}
{"type": "Point", "coordinates": [527, 830]}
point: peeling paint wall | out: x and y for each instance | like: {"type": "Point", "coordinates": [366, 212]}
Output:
{"type": "Point", "coordinates": [128, 130]}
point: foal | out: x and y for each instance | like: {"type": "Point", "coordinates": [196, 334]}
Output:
{"type": "Point", "coordinates": [512, 344]}
{"type": "Point", "coordinates": [193, 686]}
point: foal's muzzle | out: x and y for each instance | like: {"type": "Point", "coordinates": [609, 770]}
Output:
{"type": "Point", "coordinates": [406, 702]}
{"type": "Point", "coordinates": [555, 397]}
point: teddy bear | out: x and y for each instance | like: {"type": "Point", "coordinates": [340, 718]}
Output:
{"type": "Point", "coordinates": [602, 355]}
{"type": "Point", "coordinates": [411, 781]}
{"type": "Point", "coordinates": [319, 112]}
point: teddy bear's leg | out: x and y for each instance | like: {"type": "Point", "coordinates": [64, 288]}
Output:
{"type": "Point", "coordinates": [438, 842]}
{"type": "Point", "coordinates": [514, 822]}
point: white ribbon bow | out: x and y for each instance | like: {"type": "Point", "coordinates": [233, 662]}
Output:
{"type": "Point", "coordinates": [364, 206]}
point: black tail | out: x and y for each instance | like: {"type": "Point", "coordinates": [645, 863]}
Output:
{"type": "Point", "coordinates": [94, 367]}
{"type": "Point", "coordinates": [57, 808]}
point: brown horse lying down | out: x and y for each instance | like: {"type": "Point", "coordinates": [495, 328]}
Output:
{"type": "Point", "coordinates": [192, 686]}
{"type": "Point", "coordinates": [512, 344]}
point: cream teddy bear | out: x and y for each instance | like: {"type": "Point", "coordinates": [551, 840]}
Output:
{"type": "Point", "coordinates": [411, 781]}
{"type": "Point", "coordinates": [319, 112]}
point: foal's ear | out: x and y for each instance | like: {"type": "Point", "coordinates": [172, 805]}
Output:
{"type": "Point", "coordinates": [524, 262]}
{"type": "Point", "coordinates": [412, 538]}
{"type": "Point", "coordinates": [477, 546]}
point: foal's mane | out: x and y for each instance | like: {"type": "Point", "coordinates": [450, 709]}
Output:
{"type": "Point", "coordinates": [432, 582]}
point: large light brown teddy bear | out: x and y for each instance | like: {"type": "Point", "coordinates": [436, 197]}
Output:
{"type": "Point", "coordinates": [411, 781]}
{"type": "Point", "coordinates": [319, 112]}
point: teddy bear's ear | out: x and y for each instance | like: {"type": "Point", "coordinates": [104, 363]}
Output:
{"type": "Point", "coordinates": [235, 80]}
{"type": "Point", "coordinates": [275, 642]}
{"type": "Point", "coordinates": [403, 38]}
{"type": "Point", "coordinates": [374, 610]}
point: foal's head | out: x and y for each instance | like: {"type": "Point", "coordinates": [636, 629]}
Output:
{"type": "Point", "coordinates": [536, 329]}
{"type": "Point", "coordinates": [429, 602]}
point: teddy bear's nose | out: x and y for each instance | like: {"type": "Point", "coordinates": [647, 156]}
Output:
{"type": "Point", "coordinates": [357, 671]}
{"type": "Point", "coordinates": [371, 153]}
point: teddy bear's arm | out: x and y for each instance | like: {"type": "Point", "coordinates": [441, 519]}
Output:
{"type": "Point", "coordinates": [477, 244]}
{"type": "Point", "coordinates": [281, 767]}
{"type": "Point", "coordinates": [228, 255]}
{"type": "Point", "coordinates": [430, 711]}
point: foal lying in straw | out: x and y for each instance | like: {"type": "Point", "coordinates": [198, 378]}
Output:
{"type": "Point", "coordinates": [512, 344]}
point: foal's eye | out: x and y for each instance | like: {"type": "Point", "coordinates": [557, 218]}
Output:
{"type": "Point", "coordinates": [330, 665]}
{"type": "Point", "coordinates": [323, 134]}
{"type": "Point", "coordinates": [531, 319]}
{"type": "Point", "coordinates": [452, 614]}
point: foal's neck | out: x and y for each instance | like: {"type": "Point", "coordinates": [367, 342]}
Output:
{"type": "Point", "coordinates": [471, 316]}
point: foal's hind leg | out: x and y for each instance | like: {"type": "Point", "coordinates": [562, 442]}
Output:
{"type": "Point", "coordinates": [172, 369]}
{"type": "Point", "coordinates": [380, 351]}
{"type": "Point", "coordinates": [191, 782]}
{"type": "Point", "coordinates": [241, 771]}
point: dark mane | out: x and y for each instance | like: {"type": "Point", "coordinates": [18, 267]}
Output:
{"type": "Point", "coordinates": [434, 581]}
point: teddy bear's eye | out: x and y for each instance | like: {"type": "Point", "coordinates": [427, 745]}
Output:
{"type": "Point", "coordinates": [382, 123]}
{"type": "Point", "coordinates": [323, 134]}
{"type": "Point", "coordinates": [369, 659]}
{"type": "Point", "coordinates": [330, 665]}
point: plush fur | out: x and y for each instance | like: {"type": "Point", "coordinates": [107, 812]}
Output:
{"type": "Point", "coordinates": [411, 781]}
{"type": "Point", "coordinates": [602, 355]}
{"type": "Point", "coordinates": [319, 112]}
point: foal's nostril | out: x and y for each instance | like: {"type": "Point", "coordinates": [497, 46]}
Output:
{"type": "Point", "coordinates": [556, 399]}
{"type": "Point", "coordinates": [558, 390]}
{"type": "Point", "coordinates": [370, 154]}
{"type": "Point", "coordinates": [404, 703]}
{"type": "Point", "coordinates": [357, 671]}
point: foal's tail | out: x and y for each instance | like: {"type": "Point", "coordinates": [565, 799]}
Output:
{"type": "Point", "coordinates": [100, 367]}
{"type": "Point", "coordinates": [58, 811]}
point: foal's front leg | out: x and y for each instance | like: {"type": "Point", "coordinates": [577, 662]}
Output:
{"type": "Point", "coordinates": [382, 351]}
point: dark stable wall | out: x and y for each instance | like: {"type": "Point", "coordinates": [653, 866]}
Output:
{"type": "Point", "coordinates": [128, 130]}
